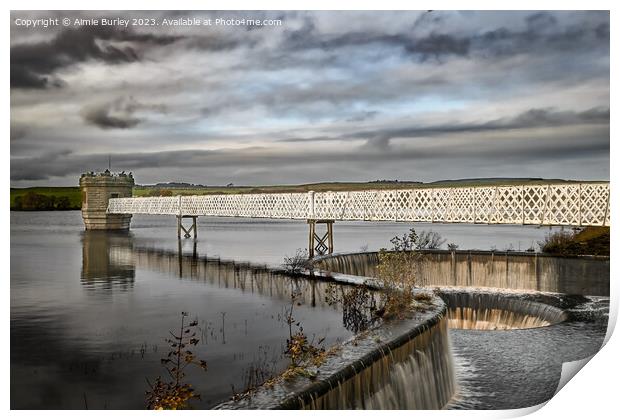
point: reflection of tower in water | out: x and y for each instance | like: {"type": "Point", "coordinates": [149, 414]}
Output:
{"type": "Point", "coordinates": [110, 260]}
{"type": "Point", "coordinates": [107, 261]}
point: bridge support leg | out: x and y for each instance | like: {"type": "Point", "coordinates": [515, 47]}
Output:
{"type": "Point", "coordinates": [187, 232]}
{"type": "Point", "coordinates": [320, 244]}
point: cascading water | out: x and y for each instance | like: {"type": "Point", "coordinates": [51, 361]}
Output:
{"type": "Point", "coordinates": [416, 375]}
{"type": "Point", "coordinates": [485, 311]}
{"type": "Point", "coordinates": [502, 270]}
{"type": "Point", "coordinates": [419, 371]}
{"type": "Point", "coordinates": [359, 264]}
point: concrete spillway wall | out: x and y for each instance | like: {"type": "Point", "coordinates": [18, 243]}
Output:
{"type": "Point", "coordinates": [584, 275]}
{"type": "Point", "coordinates": [405, 364]}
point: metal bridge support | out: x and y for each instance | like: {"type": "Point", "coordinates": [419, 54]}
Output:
{"type": "Point", "coordinates": [320, 244]}
{"type": "Point", "coordinates": [187, 232]}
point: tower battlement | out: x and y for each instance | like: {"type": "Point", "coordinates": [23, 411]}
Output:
{"type": "Point", "coordinates": [97, 189]}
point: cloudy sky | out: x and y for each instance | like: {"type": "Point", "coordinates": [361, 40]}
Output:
{"type": "Point", "coordinates": [323, 96]}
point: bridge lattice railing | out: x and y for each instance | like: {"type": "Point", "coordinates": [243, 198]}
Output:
{"type": "Point", "coordinates": [578, 204]}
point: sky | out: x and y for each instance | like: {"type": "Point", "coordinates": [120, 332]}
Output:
{"type": "Point", "coordinates": [310, 96]}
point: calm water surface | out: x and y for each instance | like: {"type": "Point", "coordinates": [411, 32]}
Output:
{"type": "Point", "coordinates": [90, 311]}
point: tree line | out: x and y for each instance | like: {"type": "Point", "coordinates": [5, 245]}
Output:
{"type": "Point", "coordinates": [32, 201]}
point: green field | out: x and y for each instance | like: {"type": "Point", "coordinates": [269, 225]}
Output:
{"type": "Point", "coordinates": [74, 196]}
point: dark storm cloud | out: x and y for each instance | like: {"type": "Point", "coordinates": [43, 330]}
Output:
{"type": "Point", "coordinates": [219, 42]}
{"type": "Point", "coordinates": [433, 45]}
{"type": "Point", "coordinates": [539, 147]}
{"type": "Point", "coordinates": [542, 33]}
{"type": "Point", "coordinates": [363, 116]}
{"type": "Point", "coordinates": [329, 95]}
{"type": "Point", "coordinates": [119, 113]}
{"type": "Point", "coordinates": [33, 64]}
{"type": "Point", "coordinates": [532, 118]}
{"type": "Point", "coordinates": [18, 131]}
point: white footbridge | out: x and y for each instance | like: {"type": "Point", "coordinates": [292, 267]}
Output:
{"type": "Point", "coordinates": [565, 204]}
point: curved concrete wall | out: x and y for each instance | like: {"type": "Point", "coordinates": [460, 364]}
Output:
{"type": "Point", "coordinates": [373, 370]}
{"type": "Point", "coordinates": [586, 275]}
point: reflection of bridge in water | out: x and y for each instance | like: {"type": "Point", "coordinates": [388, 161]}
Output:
{"type": "Point", "coordinates": [567, 204]}
{"type": "Point", "coordinates": [110, 260]}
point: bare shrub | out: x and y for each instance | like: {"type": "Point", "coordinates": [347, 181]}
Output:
{"type": "Point", "coordinates": [592, 240]}
{"type": "Point", "coordinates": [298, 263]}
{"type": "Point", "coordinates": [397, 271]}
{"type": "Point", "coordinates": [358, 305]}
{"type": "Point", "coordinates": [429, 240]}
{"type": "Point", "coordinates": [299, 349]}
{"type": "Point", "coordinates": [174, 393]}
{"type": "Point", "coordinates": [556, 242]}
{"type": "Point", "coordinates": [262, 369]}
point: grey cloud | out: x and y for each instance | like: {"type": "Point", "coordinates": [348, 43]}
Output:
{"type": "Point", "coordinates": [542, 34]}
{"type": "Point", "coordinates": [33, 64]}
{"type": "Point", "coordinates": [225, 162]}
{"type": "Point", "coordinates": [220, 41]}
{"type": "Point", "coordinates": [532, 118]}
{"type": "Point", "coordinates": [434, 45]}
{"type": "Point", "coordinates": [379, 138]}
{"type": "Point", "coordinates": [436, 90]}
{"type": "Point", "coordinates": [119, 113]}
{"type": "Point", "coordinates": [18, 131]}
{"type": "Point", "coordinates": [363, 116]}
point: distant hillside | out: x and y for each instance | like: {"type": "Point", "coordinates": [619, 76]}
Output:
{"type": "Point", "coordinates": [69, 198]}
{"type": "Point", "coordinates": [174, 185]}
{"type": "Point", "coordinates": [496, 181]}
{"type": "Point", "coordinates": [46, 198]}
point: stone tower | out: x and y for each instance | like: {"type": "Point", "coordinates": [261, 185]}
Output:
{"type": "Point", "coordinates": [97, 189]}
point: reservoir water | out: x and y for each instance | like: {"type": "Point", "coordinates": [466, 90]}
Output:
{"type": "Point", "coordinates": [90, 311]}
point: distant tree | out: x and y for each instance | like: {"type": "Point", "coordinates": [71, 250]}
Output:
{"type": "Point", "coordinates": [34, 201]}
{"type": "Point", "coordinates": [17, 203]}
{"type": "Point", "coordinates": [63, 203]}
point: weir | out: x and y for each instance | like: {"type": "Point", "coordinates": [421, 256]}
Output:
{"type": "Point", "coordinates": [584, 275]}
{"type": "Point", "coordinates": [382, 368]}
{"type": "Point", "coordinates": [418, 375]}
{"type": "Point", "coordinates": [471, 310]}
{"type": "Point", "coordinates": [406, 364]}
